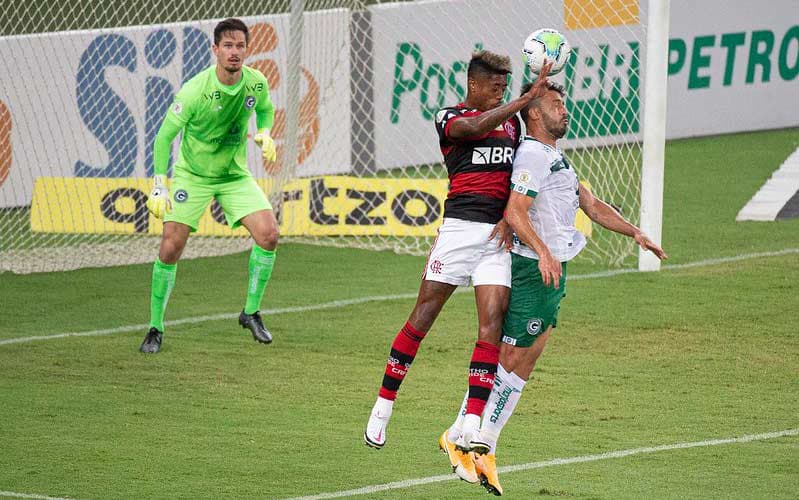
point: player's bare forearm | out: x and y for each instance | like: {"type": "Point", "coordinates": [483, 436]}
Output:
{"type": "Point", "coordinates": [608, 217]}
{"type": "Point", "coordinates": [473, 126]}
{"type": "Point", "coordinates": [516, 215]}
{"type": "Point", "coordinates": [604, 215]}
{"type": "Point", "coordinates": [491, 119]}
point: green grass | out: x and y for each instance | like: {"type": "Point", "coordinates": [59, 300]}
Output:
{"type": "Point", "coordinates": [637, 360]}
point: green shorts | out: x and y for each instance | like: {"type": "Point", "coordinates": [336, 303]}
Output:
{"type": "Point", "coordinates": [533, 307]}
{"type": "Point", "coordinates": [191, 194]}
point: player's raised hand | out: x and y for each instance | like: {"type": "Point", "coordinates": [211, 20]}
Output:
{"type": "Point", "coordinates": [267, 144]}
{"type": "Point", "coordinates": [539, 88]}
{"type": "Point", "coordinates": [158, 202]}
{"type": "Point", "coordinates": [647, 244]}
{"type": "Point", "coordinates": [550, 269]}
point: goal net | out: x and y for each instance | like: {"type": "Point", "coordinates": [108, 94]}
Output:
{"type": "Point", "coordinates": [356, 86]}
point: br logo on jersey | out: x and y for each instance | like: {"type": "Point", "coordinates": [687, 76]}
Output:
{"type": "Point", "coordinates": [491, 155]}
{"type": "Point", "coordinates": [249, 102]}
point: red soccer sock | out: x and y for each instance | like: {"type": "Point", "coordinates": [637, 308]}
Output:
{"type": "Point", "coordinates": [482, 370]}
{"type": "Point", "coordinates": [403, 350]}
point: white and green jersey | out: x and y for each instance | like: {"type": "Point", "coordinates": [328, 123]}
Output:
{"type": "Point", "coordinates": [543, 173]}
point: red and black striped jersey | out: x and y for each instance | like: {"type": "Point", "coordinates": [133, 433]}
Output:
{"type": "Point", "coordinates": [478, 167]}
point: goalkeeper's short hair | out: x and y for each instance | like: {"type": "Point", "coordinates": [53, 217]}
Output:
{"type": "Point", "coordinates": [231, 24]}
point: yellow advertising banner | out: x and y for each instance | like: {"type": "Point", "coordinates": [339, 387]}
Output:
{"type": "Point", "coordinates": [317, 206]}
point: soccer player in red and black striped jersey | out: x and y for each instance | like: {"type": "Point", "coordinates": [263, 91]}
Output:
{"type": "Point", "coordinates": [478, 138]}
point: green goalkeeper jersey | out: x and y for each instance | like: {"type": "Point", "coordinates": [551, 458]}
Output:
{"type": "Point", "coordinates": [214, 119]}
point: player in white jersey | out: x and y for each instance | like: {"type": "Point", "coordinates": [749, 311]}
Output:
{"type": "Point", "coordinates": [545, 196]}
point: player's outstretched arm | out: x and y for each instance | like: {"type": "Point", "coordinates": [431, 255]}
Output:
{"type": "Point", "coordinates": [608, 217]}
{"type": "Point", "coordinates": [516, 213]}
{"type": "Point", "coordinates": [475, 126]}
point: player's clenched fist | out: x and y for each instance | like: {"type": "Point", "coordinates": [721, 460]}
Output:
{"type": "Point", "coordinates": [159, 203]}
{"type": "Point", "coordinates": [263, 139]}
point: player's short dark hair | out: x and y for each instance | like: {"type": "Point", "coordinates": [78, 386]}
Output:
{"type": "Point", "coordinates": [231, 24]}
{"type": "Point", "coordinates": [488, 63]}
{"type": "Point", "coordinates": [525, 111]}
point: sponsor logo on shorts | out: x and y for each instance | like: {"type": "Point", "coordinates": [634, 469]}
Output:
{"type": "Point", "coordinates": [249, 102]}
{"type": "Point", "coordinates": [508, 340]}
{"type": "Point", "coordinates": [534, 326]}
{"type": "Point", "coordinates": [181, 195]}
{"type": "Point", "coordinates": [436, 267]}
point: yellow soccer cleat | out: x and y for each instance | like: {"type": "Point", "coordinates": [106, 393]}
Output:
{"type": "Point", "coordinates": [462, 463]}
{"type": "Point", "coordinates": [486, 466]}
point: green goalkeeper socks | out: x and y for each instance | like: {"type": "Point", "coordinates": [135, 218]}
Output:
{"type": "Point", "coordinates": [163, 281]}
{"type": "Point", "coordinates": [260, 265]}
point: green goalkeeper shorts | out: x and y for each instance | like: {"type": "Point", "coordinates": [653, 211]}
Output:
{"type": "Point", "coordinates": [191, 194]}
{"type": "Point", "coordinates": [533, 307]}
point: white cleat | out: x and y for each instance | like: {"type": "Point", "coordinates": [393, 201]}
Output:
{"type": "Point", "coordinates": [375, 434]}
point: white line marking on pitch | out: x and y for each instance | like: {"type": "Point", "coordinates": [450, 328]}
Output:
{"type": "Point", "coordinates": [30, 495]}
{"type": "Point", "coordinates": [376, 298]}
{"type": "Point", "coordinates": [507, 469]}
{"type": "Point", "coordinates": [550, 463]}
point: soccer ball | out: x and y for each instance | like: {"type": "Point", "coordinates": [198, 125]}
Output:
{"type": "Point", "coordinates": [546, 44]}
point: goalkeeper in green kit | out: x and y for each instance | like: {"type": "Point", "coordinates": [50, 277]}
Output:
{"type": "Point", "coordinates": [213, 110]}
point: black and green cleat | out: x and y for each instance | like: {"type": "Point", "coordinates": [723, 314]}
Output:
{"type": "Point", "coordinates": [152, 341]}
{"type": "Point", "coordinates": [256, 326]}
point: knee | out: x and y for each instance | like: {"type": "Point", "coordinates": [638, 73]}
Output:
{"type": "Point", "coordinates": [171, 249]}
{"type": "Point", "coordinates": [267, 239]}
{"type": "Point", "coordinates": [423, 316]}
{"type": "Point", "coordinates": [490, 331]}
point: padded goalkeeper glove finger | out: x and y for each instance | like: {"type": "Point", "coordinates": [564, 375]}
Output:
{"type": "Point", "coordinates": [159, 203]}
{"type": "Point", "coordinates": [267, 144]}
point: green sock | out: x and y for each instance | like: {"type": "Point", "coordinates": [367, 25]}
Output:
{"type": "Point", "coordinates": [163, 281]}
{"type": "Point", "coordinates": [261, 264]}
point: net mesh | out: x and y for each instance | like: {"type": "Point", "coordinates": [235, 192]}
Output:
{"type": "Point", "coordinates": [88, 85]}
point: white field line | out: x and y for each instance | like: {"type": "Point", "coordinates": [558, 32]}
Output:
{"type": "Point", "coordinates": [408, 483]}
{"type": "Point", "coordinates": [375, 298]}
{"type": "Point", "coordinates": [30, 495]}
{"type": "Point", "coordinates": [555, 462]}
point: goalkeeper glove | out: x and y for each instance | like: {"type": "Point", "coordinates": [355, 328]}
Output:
{"type": "Point", "coordinates": [159, 203]}
{"type": "Point", "coordinates": [268, 150]}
